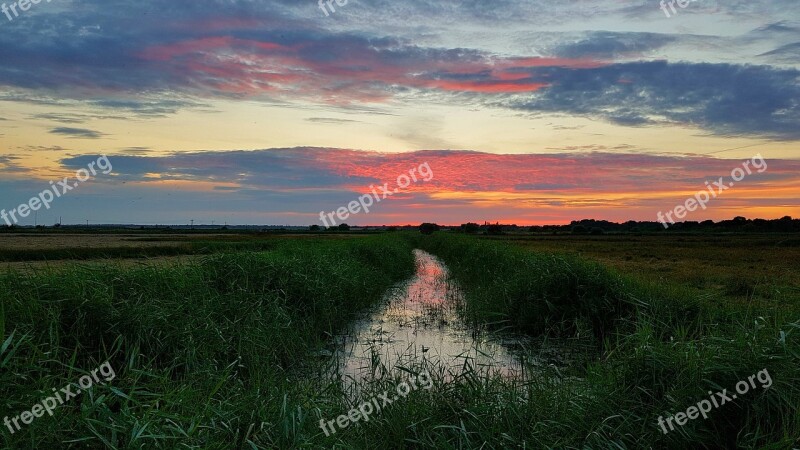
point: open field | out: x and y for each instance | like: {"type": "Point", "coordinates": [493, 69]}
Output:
{"type": "Point", "coordinates": [734, 265]}
{"type": "Point", "coordinates": [234, 344]}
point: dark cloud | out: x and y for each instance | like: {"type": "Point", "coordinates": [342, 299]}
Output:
{"type": "Point", "coordinates": [153, 59]}
{"type": "Point", "coordinates": [782, 27]}
{"type": "Point", "coordinates": [611, 46]}
{"type": "Point", "coordinates": [788, 54]}
{"type": "Point", "coordinates": [136, 150]}
{"type": "Point", "coordinates": [330, 120]}
{"type": "Point", "coordinates": [276, 168]}
{"type": "Point", "coordinates": [42, 148]}
{"type": "Point", "coordinates": [723, 98]}
{"type": "Point", "coordinates": [305, 169]}
{"type": "Point", "coordinates": [8, 163]}
{"type": "Point", "coordinates": [73, 118]}
{"type": "Point", "coordinates": [77, 133]}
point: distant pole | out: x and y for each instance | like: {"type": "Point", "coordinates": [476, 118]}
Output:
{"type": "Point", "coordinates": [192, 224]}
{"type": "Point", "coordinates": [87, 223]}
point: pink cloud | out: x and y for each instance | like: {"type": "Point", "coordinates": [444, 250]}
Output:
{"type": "Point", "coordinates": [355, 72]}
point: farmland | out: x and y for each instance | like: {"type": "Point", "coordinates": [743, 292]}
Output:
{"type": "Point", "coordinates": [232, 340]}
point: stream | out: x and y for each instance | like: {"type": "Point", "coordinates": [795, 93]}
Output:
{"type": "Point", "coordinates": [418, 325]}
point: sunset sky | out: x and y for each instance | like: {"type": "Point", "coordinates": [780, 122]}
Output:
{"type": "Point", "coordinates": [527, 111]}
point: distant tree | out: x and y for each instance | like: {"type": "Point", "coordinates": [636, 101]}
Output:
{"type": "Point", "coordinates": [494, 230]}
{"type": "Point", "coordinates": [428, 228]}
{"type": "Point", "coordinates": [579, 229]}
{"type": "Point", "coordinates": [597, 230]}
{"type": "Point", "coordinates": [314, 228]}
{"type": "Point", "coordinates": [470, 227]}
{"type": "Point", "coordinates": [344, 227]}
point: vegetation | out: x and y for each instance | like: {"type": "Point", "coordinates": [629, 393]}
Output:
{"type": "Point", "coordinates": [209, 354]}
{"type": "Point", "coordinates": [660, 349]}
{"type": "Point", "coordinates": [229, 350]}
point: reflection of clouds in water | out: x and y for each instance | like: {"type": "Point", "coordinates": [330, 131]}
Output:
{"type": "Point", "coordinates": [429, 285]}
{"type": "Point", "coordinates": [420, 325]}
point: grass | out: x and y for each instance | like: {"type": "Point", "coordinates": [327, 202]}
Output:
{"type": "Point", "coordinates": [197, 247]}
{"type": "Point", "coordinates": [223, 351]}
{"type": "Point", "coordinates": [737, 266]}
{"type": "Point", "coordinates": [201, 351]}
{"type": "Point", "coordinates": [660, 350]}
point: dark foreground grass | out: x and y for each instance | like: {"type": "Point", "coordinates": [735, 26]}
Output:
{"type": "Point", "coordinates": [659, 350]}
{"type": "Point", "coordinates": [198, 247]}
{"type": "Point", "coordinates": [206, 354]}
{"type": "Point", "coordinates": [219, 354]}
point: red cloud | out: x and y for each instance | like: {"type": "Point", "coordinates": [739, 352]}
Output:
{"type": "Point", "coordinates": [353, 72]}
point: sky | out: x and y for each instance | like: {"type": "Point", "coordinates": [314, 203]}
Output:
{"type": "Point", "coordinates": [271, 111]}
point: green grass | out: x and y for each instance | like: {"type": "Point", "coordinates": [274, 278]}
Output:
{"type": "Point", "coordinates": [200, 247]}
{"type": "Point", "coordinates": [219, 352]}
{"type": "Point", "coordinates": [660, 350]}
{"type": "Point", "coordinates": [201, 351]}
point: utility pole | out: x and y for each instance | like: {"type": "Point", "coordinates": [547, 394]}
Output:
{"type": "Point", "coordinates": [192, 224]}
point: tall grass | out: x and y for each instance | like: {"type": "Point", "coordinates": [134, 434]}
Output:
{"type": "Point", "coordinates": [661, 351]}
{"type": "Point", "coordinates": [220, 353]}
{"type": "Point", "coordinates": [202, 351]}
{"type": "Point", "coordinates": [197, 247]}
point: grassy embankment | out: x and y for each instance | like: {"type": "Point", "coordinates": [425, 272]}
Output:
{"type": "Point", "coordinates": [207, 354]}
{"type": "Point", "coordinates": [660, 350]}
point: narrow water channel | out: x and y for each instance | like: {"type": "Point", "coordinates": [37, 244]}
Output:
{"type": "Point", "coordinates": [418, 325]}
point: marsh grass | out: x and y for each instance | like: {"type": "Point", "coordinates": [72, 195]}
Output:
{"type": "Point", "coordinates": [202, 351]}
{"type": "Point", "coordinates": [177, 248]}
{"type": "Point", "coordinates": [221, 352]}
{"type": "Point", "coordinates": [659, 348]}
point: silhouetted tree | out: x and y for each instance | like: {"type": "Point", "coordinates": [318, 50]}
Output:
{"type": "Point", "coordinates": [579, 229]}
{"type": "Point", "coordinates": [494, 230]}
{"type": "Point", "coordinates": [470, 227]}
{"type": "Point", "coordinates": [428, 228]}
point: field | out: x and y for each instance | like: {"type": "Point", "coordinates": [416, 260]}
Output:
{"type": "Point", "coordinates": [235, 340]}
{"type": "Point", "coordinates": [733, 265]}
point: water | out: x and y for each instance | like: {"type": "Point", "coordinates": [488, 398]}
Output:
{"type": "Point", "coordinates": [419, 326]}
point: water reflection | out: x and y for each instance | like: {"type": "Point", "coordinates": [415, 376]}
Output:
{"type": "Point", "coordinates": [419, 325]}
